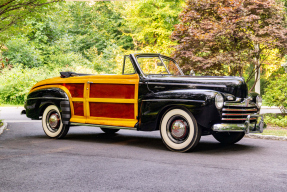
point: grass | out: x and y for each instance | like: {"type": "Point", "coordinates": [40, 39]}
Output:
{"type": "Point", "coordinates": [11, 105]}
{"type": "Point", "coordinates": [1, 123]}
{"type": "Point", "coordinates": [275, 131]}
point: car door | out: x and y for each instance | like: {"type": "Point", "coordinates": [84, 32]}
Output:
{"type": "Point", "coordinates": [112, 100]}
{"type": "Point", "coordinates": [76, 86]}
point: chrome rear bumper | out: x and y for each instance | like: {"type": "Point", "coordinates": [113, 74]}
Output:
{"type": "Point", "coordinates": [247, 127]}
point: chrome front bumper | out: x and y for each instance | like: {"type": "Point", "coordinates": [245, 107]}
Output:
{"type": "Point", "coordinates": [247, 127]}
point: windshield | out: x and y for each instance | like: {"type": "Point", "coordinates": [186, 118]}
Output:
{"type": "Point", "coordinates": [155, 65]}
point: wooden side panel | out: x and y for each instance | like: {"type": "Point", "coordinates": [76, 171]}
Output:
{"type": "Point", "coordinates": [112, 110]}
{"type": "Point", "coordinates": [76, 89]}
{"type": "Point", "coordinates": [120, 91]}
{"type": "Point", "coordinates": [78, 108]}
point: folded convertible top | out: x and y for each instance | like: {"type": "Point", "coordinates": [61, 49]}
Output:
{"type": "Point", "coordinates": [71, 74]}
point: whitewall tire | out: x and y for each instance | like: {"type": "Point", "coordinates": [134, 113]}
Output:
{"type": "Point", "coordinates": [179, 130]}
{"type": "Point", "coordinates": [52, 123]}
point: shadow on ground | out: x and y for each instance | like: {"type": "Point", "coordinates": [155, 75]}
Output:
{"type": "Point", "coordinates": [207, 145]}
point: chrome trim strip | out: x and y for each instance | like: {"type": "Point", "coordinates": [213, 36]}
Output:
{"type": "Point", "coordinates": [199, 85]}
{"type": "Point", "coordinates": [245, 103]}
{"type": "Point", "coordinates": [246, 127]}
{"type": "Point", "coordinates": [57, 98]}
{"type": "Point", "coordinates": [179, 100]}
{"type": "Point", "coordinates": [238, 105]}
{"type": "Point", "coordinates": [236, 114]}
{"type": "Point", "coordinates": [253, 109]}
{"type": "Point", "coordinates": [164, 64]}
{"type": "Point", "coordinates": [229, 127]}
{"type": "Point", "coordinates": [259, 126]}
{"type": "Point", "coordinates": [236, 119]}
{"type": "Point", "coordinates": [102, 126]}
{"type": "Point", "coordinates": [166, 57]}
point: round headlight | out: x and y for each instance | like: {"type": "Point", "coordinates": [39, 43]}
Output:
{"type": "Point", "coordinates": [219, 101]}
{"type": "Point", "coordinates": [258, 101]}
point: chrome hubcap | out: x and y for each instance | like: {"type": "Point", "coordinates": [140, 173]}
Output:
{"type": "Point", "coordinates": [54, 120]}
{"type": "Point", "coordinates": [178, 129]}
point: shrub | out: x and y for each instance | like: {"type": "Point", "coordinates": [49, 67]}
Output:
{"type": "Point", "coordinates": [279, 120]}
{"type": "Point", "coordinates": [276, 93]}
{"type": "Point", "coordinates": [21, 51]}
{"type": "Point", "coordinates": [17, 82]}
{"type": "Point", "coordinates": [60, 60]}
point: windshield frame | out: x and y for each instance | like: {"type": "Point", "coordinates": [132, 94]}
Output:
{"type": "Point", "coordinates": [161, 57]}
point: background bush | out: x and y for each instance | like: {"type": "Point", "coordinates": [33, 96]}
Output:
{"type": "Point", "coordinates": [276, 93]}
{"type": "Point", "coordinates": [278, 120]}
{"type": "Point", "coordinates": [22, 51]}
{"type": "Point", "coordinates": [17, 82]}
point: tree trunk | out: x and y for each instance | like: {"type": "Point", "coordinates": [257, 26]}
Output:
{"type": "Point", "coordinates": [257, 67]}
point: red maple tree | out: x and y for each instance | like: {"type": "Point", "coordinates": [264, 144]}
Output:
{"type": "Point", "coordinates": [216, 34]}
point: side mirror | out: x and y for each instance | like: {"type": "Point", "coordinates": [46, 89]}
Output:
{"type": "Point", "coordinates": [191, 73]}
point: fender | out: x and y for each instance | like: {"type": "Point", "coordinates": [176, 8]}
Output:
{"type": "Point", "coordinates": [199, 102]}
{"type": "Point", "coordinates": [40, 98]}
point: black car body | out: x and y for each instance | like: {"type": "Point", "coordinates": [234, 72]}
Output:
{"type": "Point", "coordinates": [151, 94]}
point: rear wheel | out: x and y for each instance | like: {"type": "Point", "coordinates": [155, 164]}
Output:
{"type": "Point", "coordinates": [228, 137]}
{"type": "Point", "coordinates": [179, 130]}
{"type": "Point", "coordinates": [52, 123]}
{"type": "Point", "coordinates": [109, 131]}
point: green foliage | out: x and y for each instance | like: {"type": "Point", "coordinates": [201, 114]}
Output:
{"type": "Point", "coordinates": [276, 93]}
{"type": "Point", "coordinates": [22, 51]}
{"type": "Point", "coordinates": [13, 13]}
{"type": "Point", "coordinates": [150, 23]}
{"type": "Point", "coordinates": [97, 25]}
{"type": "Point", "coordinates": [104, 62]}
{"type": "Point", "coordinates": [279, 120]}
{"type": "Point", "coordinates": [17, 82]}
{"type": "Point", "coordinates": [67, 59]}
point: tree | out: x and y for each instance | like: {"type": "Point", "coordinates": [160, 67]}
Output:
{"type": "Point", "coordinates": [97, 25]}
{"type": "Point", "coordinates": [216, 34]}
{"type": "Point", "coordinates": [12, 11]}
{"type": "Point", "coordinates": [150, 23]}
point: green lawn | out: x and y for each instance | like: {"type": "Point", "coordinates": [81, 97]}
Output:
{"type": "Point", "coordinates": [10, 105]}
{"type": "Point", "coordinates": [275, 131]}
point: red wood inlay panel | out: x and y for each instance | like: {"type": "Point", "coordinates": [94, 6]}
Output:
{"type": "Point", "coordinates": [76, 89]}
{"type": "Point", "coordinates": [78, 108]}
{"type": "Point", "coordinates": [112, 110]}
{"type": "Point", "coordinates": [119, 91]}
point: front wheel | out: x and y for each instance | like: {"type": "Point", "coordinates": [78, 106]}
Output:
{"type": "Point", "coordinates": [52, 123]}
{"type": "Point", "coordinates": [179, 130]}
{"type": "Point", "coordinates": [228, 137]}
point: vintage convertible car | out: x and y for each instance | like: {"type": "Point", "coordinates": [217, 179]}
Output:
{"type": "Point", "coordinates": [151, 94]}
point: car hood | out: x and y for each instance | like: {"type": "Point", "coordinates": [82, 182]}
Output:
{"type": "Point", "coordinates": [224, 84]}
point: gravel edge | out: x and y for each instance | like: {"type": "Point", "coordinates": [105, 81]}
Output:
{"type": "Point", "coordinates": [4, 126]}
{"type": "Point", "coordinates": [268, 137]}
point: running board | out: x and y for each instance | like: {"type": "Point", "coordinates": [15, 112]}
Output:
{"type": "Point", "coordinates": [102, 126]}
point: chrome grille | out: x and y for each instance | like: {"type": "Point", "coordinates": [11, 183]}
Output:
{"type": "Point", "coordinates": [237, 112]}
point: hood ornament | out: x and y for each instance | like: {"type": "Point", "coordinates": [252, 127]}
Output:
{"type": "Point", "coordinates": [247, 100]}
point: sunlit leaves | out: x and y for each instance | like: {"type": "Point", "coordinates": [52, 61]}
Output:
{"type": "Point", "coordinates": [150, 23]}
